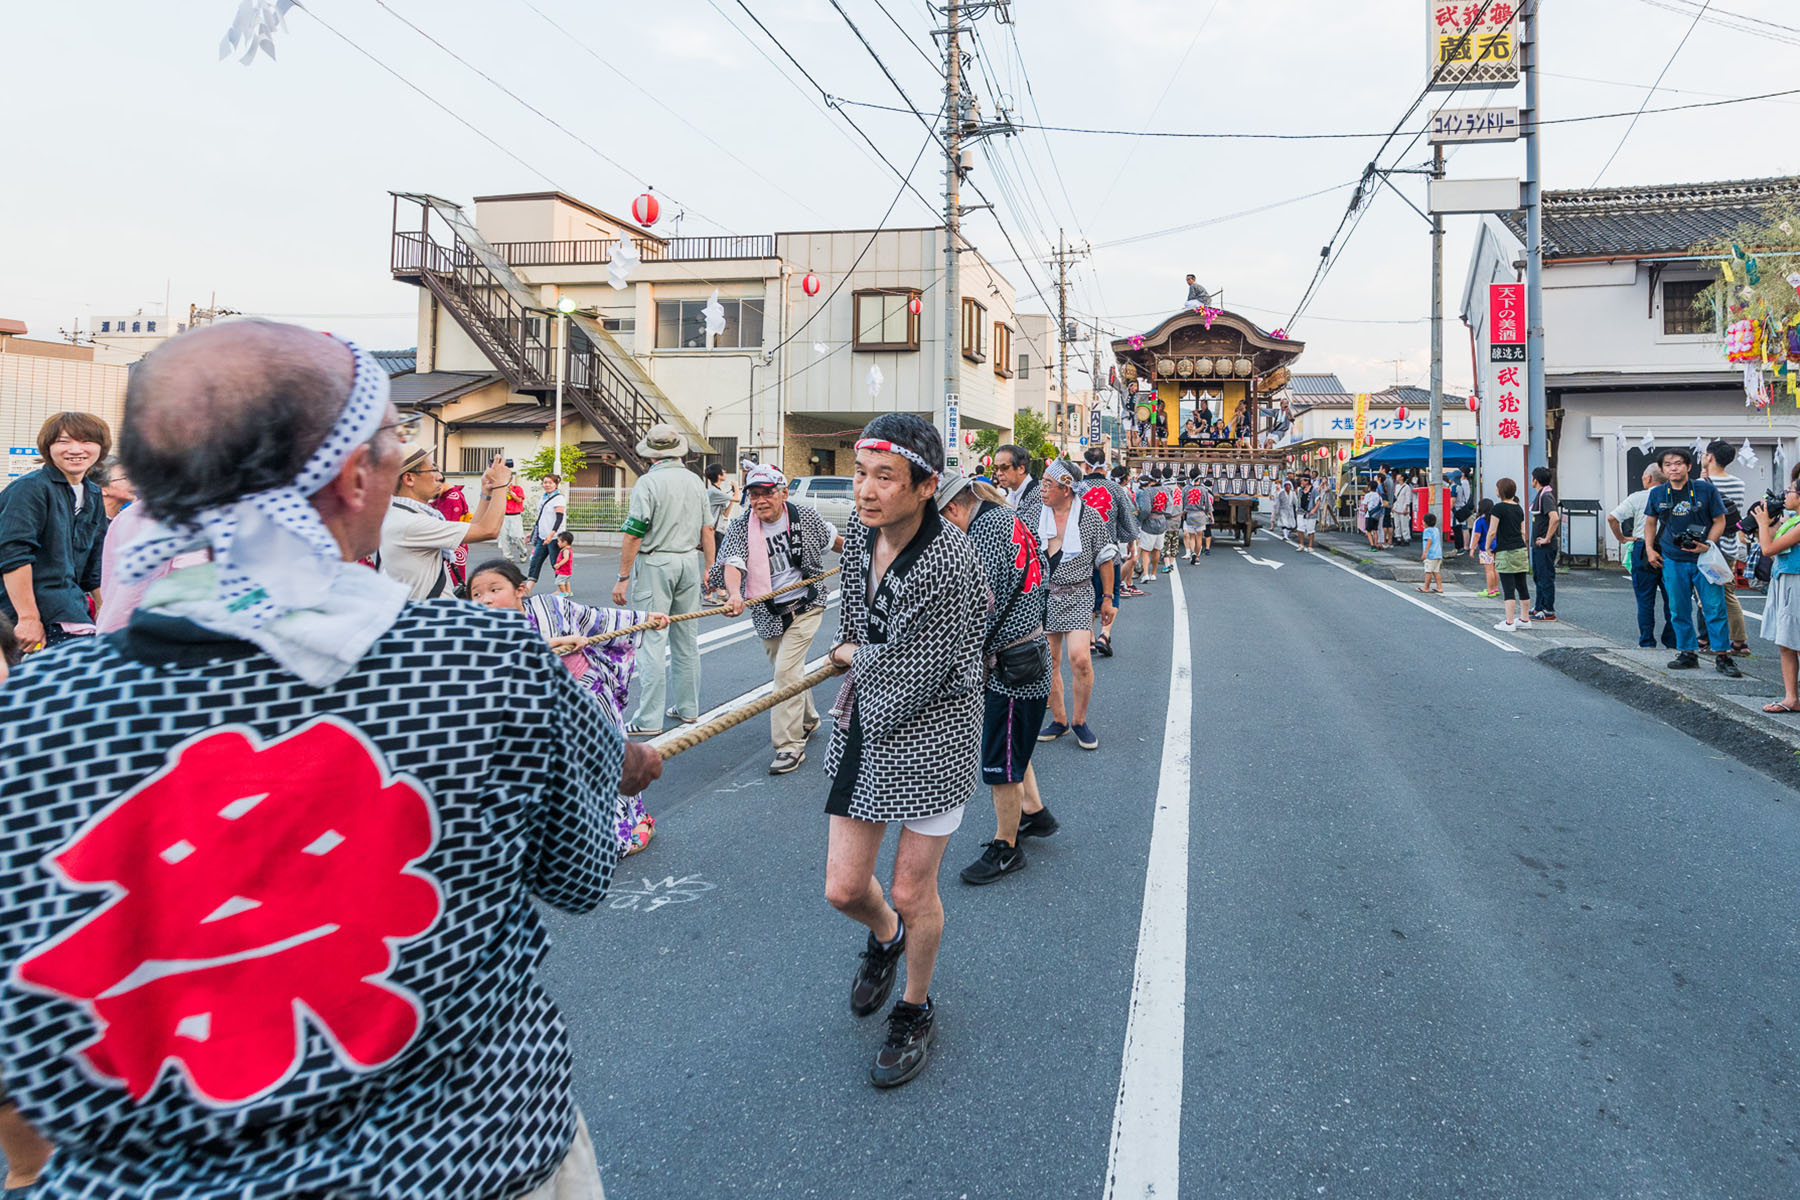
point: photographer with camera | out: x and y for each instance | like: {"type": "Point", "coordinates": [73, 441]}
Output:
{"type": "Point", "coordinates": [1777, 522]}
{"type": "Point", "coordinates": [1646, 581]}
{"type": "Point", "coordinates": [415, 537]}
{"type": "Point", "coordinates": [1718, 456]}
{"type": "Point", "coordinates": [1682, 519]}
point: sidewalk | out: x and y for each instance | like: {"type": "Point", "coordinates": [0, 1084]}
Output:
{"type": "Point", "coordinates": [1722, 712]}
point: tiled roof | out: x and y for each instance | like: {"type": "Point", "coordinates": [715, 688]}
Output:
{"type": "Point", "coordinates": [1664, 219]}
{"type": "Point", "coordinates": [521, 415]}
{"type": "Point", "coordinates": [433, 388]}
{"type": "Point", "coordinates": [1317, 385]}
{"type": "Point", "coordinates": [397, 362]}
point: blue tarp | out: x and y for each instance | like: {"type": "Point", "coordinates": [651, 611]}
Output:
{"type": "Point", "coordinates": [1415, 452]}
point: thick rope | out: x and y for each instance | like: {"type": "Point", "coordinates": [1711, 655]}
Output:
{"type": "Point", "coordinates": [737, 716]}
{"type": "Point", "coordinates": [641, 626]}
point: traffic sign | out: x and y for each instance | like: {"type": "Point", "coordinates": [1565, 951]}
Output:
{"type": "Point", "coordinates": [1084, 441]}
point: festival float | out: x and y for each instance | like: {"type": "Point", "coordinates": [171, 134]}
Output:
{"type": "Point", "coordinates": [1216, 365]}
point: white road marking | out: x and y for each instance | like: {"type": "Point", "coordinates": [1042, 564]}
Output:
{"type": "Point", "coordinates": [739, 630]}
{"type": "Point", "coordinates": [1483, 634]}
{"type": "Point", "coordinates": [1260, 562]}
{"type": "Point", "coordinates": [756, 693]}
{"type": "Point", "coordinates": [1144, 1160]}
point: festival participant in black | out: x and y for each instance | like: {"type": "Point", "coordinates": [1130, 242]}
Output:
{"type": "Point", "coordinates": [301, 828]}
{"type": "Point", "coordinates": [1114, 504]}
{"type": "Point", "coordinates": [906, 740]}
{"type": "Point", "coordinates": [1075, 540]}
{"type": "Point", "coordinates": [1017, 658]}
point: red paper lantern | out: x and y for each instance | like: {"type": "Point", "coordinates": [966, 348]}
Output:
{"type": "Point", "coordinates": [1343, 454]}
{"type": "Point", "coordinates": [968, 437]}
{"type": "Point", "coordinates": [1324, 453]}
{"type": "Point", "coordinates": [915, 306]}
{"type": "Point", "coordinates": [1474, 403]}
{"type": "Point", "coordinates": [810, 285]}
{"type": "Point", "coordinates": [645, 209]}
{"type": "Point", "coordinates": [1400, 413]}
{"type": "Point", "coordinates": [987, 460]}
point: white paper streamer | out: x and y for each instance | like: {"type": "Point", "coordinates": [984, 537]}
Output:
{"type": "Point", "coordinates": [625, 259]}
{"type": "Point", "coordinates": [875, 380]}
{"type": "Point", "coordinates": [254, 28]}
{"type": "Point", "coordinates": [1747, 454]}
{"type": "Point", "coordinates": [715, 315]}
{"type": "Point", "coordinates": [821, 348]}
{"type": "Point", "coordinates": [1647, 443]}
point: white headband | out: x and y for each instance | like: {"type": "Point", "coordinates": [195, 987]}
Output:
{"type": "Point", "coordinates": [886, 447]}
{"type": "Point", "coordinates": [267, 546]}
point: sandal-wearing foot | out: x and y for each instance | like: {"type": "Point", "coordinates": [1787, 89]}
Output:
{"type": "Point", "coordinates": [1425, 590]}
{"type": "Point", "coordinates": [641, 835]}
{"type": "Point", "coordinates": [1740, 649]}
{"type": "Point", "coordinates": [1781, 706]}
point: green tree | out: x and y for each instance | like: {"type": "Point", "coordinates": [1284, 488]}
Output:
{"type": "Point", "coordinates": [544, 462]}
{"type": "Point", "coordinates": [1032, 431]}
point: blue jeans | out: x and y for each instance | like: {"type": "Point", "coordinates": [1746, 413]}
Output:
{"type": "Point", "coordinates": [1681, 580]}
{"type": "Point", "coordinates": [1647, 584]}
{"type": "Point", "coordinates": [541, 553]}
{"type": "Point", "coordinates": [1543, 575]}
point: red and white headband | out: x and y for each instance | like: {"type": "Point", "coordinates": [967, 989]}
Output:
{"type": "Point", "coordinates": [912, 456]}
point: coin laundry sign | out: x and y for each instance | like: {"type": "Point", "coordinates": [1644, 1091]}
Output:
{"type": "Point", "coordinates": [1475, 125]}
{"type": "Point", "coordinates": [1472, 44]}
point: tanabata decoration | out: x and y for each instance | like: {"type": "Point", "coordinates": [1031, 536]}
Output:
{"type": "Point", "coordinates": [1743, 341]}
{"type": "Point", "coordinates": [1647, 443]}
{"type": "Point", "coordinates": [1747, 455]}
{"type": "Point", "coordinates": [1752, 274]}
{"type": "Point", "coordinates": [1794, 282]}
{"type": "Point", "coordinates": [1725, 269]}
{"type": "Point", "coordinates": [874, 382]}
{"type": "Point", "coordinates": [714, 312]}
{"type": "Point", "coordinates": [254, 28]}
{"type": "Point", "coordinates": [623, 261]}
{"type": "Point", "coordinates": [645, 209]}
{"type": "Point", "coordinates": [1699, 449]}
{"type": "Point", "coordinates": [820, 348]}
{"type": "Point", "coordinates": [1756, 395]}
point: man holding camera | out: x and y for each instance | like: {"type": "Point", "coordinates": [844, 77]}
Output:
{"type": "Point", "coordinates": [1682, 519]}
{"type": "Point", "coordinates": [415, 536]}
{"type": "Point", "coordinates": [1714, 463]}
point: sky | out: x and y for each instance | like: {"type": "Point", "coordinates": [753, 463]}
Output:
{"type": "Point", "coordinates": [139, 165]}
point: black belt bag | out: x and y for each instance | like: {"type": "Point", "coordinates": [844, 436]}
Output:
{"type": "Point", "coordinates": [1025, 661]}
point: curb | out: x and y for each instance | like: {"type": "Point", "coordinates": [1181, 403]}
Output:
{"type": "Point", "coordinates": [1772, 749]}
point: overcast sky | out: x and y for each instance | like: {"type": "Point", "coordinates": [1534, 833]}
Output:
{"type": "Point", "coordinates": [137, 163]}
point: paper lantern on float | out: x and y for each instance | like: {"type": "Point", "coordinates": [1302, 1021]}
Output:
{"type": "Point", "coordinates": [810, 284]}
{"type": "Point", "coordinates": [915, 306]}
{"type": "Point", "coordinates": [645, 209]}
{"type": "Point", "coordinates": [1242, 368]}
{"type": "Point", "coordinates": [1184, 367]}
{"type": "Point", "coordinates": [1400, 413]}
{"type": "Point", "coordinates": [1203, 367]}
{"type": "Point", "coordinates": [1165, 366]}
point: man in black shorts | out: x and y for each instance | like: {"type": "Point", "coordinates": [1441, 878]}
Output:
{"type": "Point", "coordinates": [1018, 681]}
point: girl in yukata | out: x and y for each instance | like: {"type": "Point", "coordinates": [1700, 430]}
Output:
{"type": "Point", "coordinates": [606, 669]}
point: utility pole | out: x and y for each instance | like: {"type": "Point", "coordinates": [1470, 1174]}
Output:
{"type": "Point", "coordinates": [948, 416]}
{"type": "Point", "coordinates": [1538, 447]}
{"type": "Point", "coordinates": [1435, 471]}
{"type": "Point", "coordinates": [1066, 254]}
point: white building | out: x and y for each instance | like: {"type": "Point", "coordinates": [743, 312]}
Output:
{"type": "Point", "coordinates": [820, 334]}
{"type": "Point", "coordinates": [1627, 355]}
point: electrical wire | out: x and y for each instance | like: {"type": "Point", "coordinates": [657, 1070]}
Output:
{"type": "Point", "coordinates": [886, 12]}
{"type": "Point", "coordinates": [1695, 24]}
{"type": "Point", "coordinates": [1737, 22]}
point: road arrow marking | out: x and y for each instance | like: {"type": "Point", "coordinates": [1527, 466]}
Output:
{"type": "Point", "coordinates": [1261, 562]}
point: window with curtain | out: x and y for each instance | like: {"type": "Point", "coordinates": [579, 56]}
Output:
{"type": "Point", "coordinates": [883, 320]}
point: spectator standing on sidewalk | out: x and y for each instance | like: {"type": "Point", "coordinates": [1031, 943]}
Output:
{"type": "Point", "coordinates": [1371, 514]}
{"type": "Point", "coordinates": [1483, 534]}
{"type": "Point", "coordinates": [666, 536]}
{"type": "Point", "coordinates": [513, 546]}
{"type": "Point", "coordinates": [551, 519]}
{"type": "Point", "coordinates": [1431, 554]}
{"type": "Point", "coordinates": [1720, 455]}
{"type": "Point", "coordinates": [1546, 523]}
{"type": "Point", "coordinates": [1627, 524]}
{"type": "Point", "coordinates": [1779, 537]}
{"type": "Point", "coordinates": [1511, 559]}
{"type": "Point", "coordinates": [1403, 509]}
{"type": "Point", "coordinates": [415, 537]}
{"type": "Point", "coordinates": [1683, 518]}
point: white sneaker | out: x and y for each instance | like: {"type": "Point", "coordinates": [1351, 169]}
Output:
{"type": "Point", "coordinates": [1504, 626]}
{"type": "Point", "coordinates": [1524, 623]}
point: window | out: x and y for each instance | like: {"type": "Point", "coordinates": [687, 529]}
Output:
{"type": "Point", "coordinates": [884, 320]}
{"type": "Point", "coordinates": [475, 459]}
{"type": "Point", "coordinates": [1679, 314]}
{"type": "Point", "coordinates": [1024, 366]}
{"type": "Point", "coordinates": [681, 325]}
{"type": "Point", "coordinates": [725, 453]}
{"type": "Point", "coordinates": [619, 324]}
{"type": "Point", "coordinates": [830, 489]}
{"type": "Point", "coordinates": [974, 329]}
{"type": "Point", "coordinates": [149, 326]}
{"type": "Point", "coordinates": [1002, 350]}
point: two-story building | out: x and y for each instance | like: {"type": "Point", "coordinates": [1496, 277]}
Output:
{"type": "Point", "coordinates": [821, 332]}
{"type": "Point", "coordinates": [1629, 359]}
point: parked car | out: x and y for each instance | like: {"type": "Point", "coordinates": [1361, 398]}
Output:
{"type": "Point", "coordinates": [830, 494]}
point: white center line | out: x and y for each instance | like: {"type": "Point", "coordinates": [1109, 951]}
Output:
{"type": "Point", "coordinates": [1483, 634]}
{"type": "Point", "coordinates": [1144, 1160]}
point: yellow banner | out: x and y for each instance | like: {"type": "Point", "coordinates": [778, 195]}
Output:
{"type": "Point", "coordinates": [1362, 422]}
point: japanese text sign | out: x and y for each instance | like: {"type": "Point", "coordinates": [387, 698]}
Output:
{"type": "Point", "coordinates": [1470, 47]}
{"type": "Point", "coordinates": [1506, 314]}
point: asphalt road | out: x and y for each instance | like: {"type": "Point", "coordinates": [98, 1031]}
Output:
{"type": "Point", "coordinates": [1455, 925]}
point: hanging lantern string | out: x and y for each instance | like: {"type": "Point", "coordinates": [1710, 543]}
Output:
{"type": "Point", "coordinates": [737, 716]}
{"type": "Point", "coordinates": [641, 626]}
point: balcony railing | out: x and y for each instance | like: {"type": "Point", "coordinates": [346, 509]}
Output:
{"type": "Point", "coordinates": [592, 251]}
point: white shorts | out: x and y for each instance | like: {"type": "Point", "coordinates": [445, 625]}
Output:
{"type": "Point", "coordinates": [942, 825]}
{"type": "Point", "coordinates": [1150, 542]}
{"type": "Point", "coordinates": [1434, 566]}
{"type": "Point", "coordinates": [1309, 524]}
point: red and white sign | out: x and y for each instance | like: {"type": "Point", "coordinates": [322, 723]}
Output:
{"type": "Point", "coordinates": [1506, 314]}
{"type": "Point", "coordinates": [1509, 404]}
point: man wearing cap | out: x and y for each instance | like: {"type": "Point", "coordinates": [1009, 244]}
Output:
{"type": "Point", "coordinates": [415, 537]}
{"type": "Point", "coordinates": [773, 544]}
{"type": "Point", "coordinates": [665, 530]}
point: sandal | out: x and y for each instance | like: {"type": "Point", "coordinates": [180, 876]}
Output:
{"type": "Point", "coordinates": [1740, 649]}
{"type": "Point", "coordinates": [641, 835]}
{"type": "Point", "coordinates": [1781, 706]}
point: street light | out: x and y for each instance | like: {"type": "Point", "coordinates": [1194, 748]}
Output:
{"type": "Point", "coordinates": [564, 306]}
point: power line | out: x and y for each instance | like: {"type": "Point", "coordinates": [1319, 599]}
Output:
{"type": "Point", "coordinates": [1695, 24]}
{"type": "Point", "coordinates": [1176, 74]}
{"type": "Point", "coordinates": [886, 12]}
{"type": "Point", "coordinates": [1737, 22]}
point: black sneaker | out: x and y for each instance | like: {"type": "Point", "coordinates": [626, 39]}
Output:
{"type": "Point", "coordinates": [1687, 660]}
{"type": "Point", "coordinates": [1038, 824]}
{"type": "Point", "coordinates": [997, 859]}
{"type": "Point", "coordinates": [874, 978]}
{"type": "Point", "coordinates": [1727, 668]}
{"type": "Point", "coordinates": [908, 1045]}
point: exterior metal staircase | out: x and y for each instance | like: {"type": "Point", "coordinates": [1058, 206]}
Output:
{"type": "Point", "coordinates": [444, 254]}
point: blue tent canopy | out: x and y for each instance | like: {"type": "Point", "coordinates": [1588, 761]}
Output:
{"type": "Point", "coordinates": [1415, 452]}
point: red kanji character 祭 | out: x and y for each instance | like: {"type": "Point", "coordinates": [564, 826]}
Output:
{"type": "Point", "coordinates": [1509, 377]}
{"type": "Point", "coordinates": [1159, 503]}
{"type": "Point", "coordinates": [1028, 559]}
{"type": "Point", "coordinates": [1509, 429]}
{"type": "Point", "coordinates": [252, 885]}
{"type": "Point", "coordinates": [1100, 500]}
